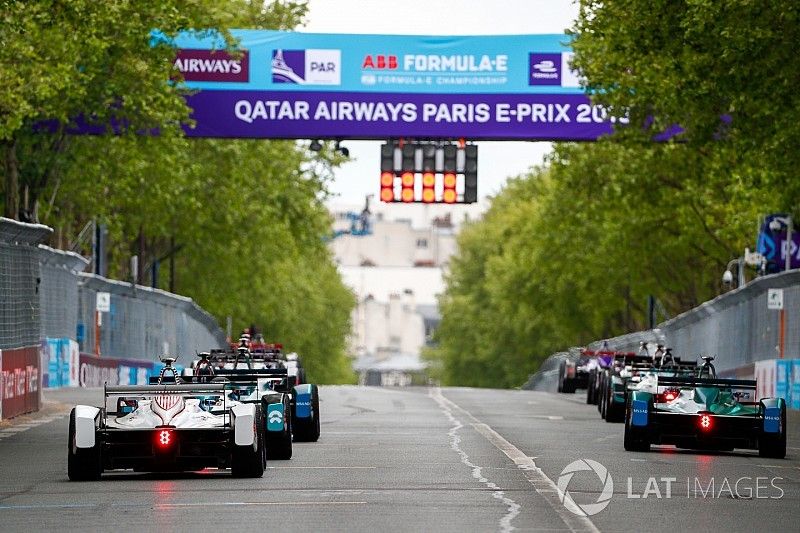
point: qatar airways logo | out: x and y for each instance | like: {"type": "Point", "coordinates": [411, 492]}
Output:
{"type": "Point", "coordinates": [213, 65]}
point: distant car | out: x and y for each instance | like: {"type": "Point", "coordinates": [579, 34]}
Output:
{"type": "Point", "coordinates": [166, 427]}
{"type": "Point", "coordinates": [262, 374]}
{"type": "Point", "coordinates": [704, 412]}
{"type": "Point", "coordinates": [634, 369]}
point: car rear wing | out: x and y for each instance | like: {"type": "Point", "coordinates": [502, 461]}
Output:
{"type": "Point", "coordinates": [690, 381]}
{"type": "Point", "coordinates": [742, 389]}
{"type": "Point", "coordinates": [167, 388]}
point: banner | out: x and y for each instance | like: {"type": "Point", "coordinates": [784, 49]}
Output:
{"type": "Point", "coordinates": [774, 245]}
{"type": "Point", "coordinates": [20, 391]}
{"type": "Point", "coordinates": [96, 371]}
{"type": "Point", "coordinates": [305, 85]}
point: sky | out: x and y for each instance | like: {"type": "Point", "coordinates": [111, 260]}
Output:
{"type": "Point", "coordinates": [496, 160]}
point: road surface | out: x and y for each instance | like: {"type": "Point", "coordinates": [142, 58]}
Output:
{"type": "Point", "coordinates": [417, 459]}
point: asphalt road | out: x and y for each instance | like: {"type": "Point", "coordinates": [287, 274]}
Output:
{"type": "Point", "coordinates": [414, 460]}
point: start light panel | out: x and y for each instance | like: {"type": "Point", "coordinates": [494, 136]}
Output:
{"type": "Point", "coordinates": [429, 172]}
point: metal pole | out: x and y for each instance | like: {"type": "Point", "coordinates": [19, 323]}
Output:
{"type": "Point", "coordinates": [782, 329]}
{"type": "Point", "coordinates": [740, 268]}
{"type": "Point", "coordinates": [788, 263]}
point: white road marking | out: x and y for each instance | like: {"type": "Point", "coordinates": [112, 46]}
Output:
{"type": "Point", "coordinates": [324, 467]}
{"type": "Point", "coordinates": [166, 506]}
{"type": "Point", "coordinates": [455, 440]}
{"type": "Point", "coordinates": [535, 475]}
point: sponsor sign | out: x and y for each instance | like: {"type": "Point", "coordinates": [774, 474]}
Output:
{"type": "Point", "coordinates": [213, 65]}
{"type": "Point", "coordinates": [97, 371]}
{"type": "Point", "coordinates": [20, 392]}
{"type": "Point", "coordinates": [303, 85]}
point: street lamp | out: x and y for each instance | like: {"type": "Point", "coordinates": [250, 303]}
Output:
{"type": "Point", "coordinates": [775, 225]}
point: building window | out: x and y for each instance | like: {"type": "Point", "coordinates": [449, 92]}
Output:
{"type": "Point", "coordinates": [422, 243]}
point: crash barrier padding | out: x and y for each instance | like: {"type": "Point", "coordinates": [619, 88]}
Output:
{"type": "Point", "coordinates": [20, 390]}
{"type": "Point", "coordinates": [60, 363]}
{"type": "Point", "coordinates": [98, 371]}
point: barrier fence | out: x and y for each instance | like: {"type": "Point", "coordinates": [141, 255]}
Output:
{"type": "Point", "coordinates": [47, 313]}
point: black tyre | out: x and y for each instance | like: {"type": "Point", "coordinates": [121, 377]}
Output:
{"type": "Point", "coordinates": [601, 393]}
{"type": "Point", "coordinates": [307, 429]}
{"type": "Point", "coordinates": [279, 444]}
{"type": "Point", "coordinates": [773, 445]}
{"type": "Point", "coordinates": [561, 373]}
{"type": "Point", "coordinates": [590, 390]}
{"type": "Point", "coordinates": [614, 411]}
{"type": "Point", "coordinates": [249, 462]}
{"type": "Point", "coordinates": [83, 464]}
{"type": "Point", "coordinates": [634, 440]}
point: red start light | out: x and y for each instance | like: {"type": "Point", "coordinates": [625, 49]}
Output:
{"type": "Point", "coordinates": [407, 195]}
{"type": "Point", "coordinates": [449, 181]}
{"type": "Point", "coordinates": [705, 422]}
{"type": "Point", "coordinates": [408, 179]}
{"type": "Point", "coordinates": [449, 196]}
{"type": "Point", "coordinates": [387, 179]}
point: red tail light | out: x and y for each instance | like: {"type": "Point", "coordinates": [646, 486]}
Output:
{"type": "Point", "coordinates": [164, 438]}
{"type": "Point", "coordinates": [705, 422]}
{"type": "Point", "coordinates": [669, 396]}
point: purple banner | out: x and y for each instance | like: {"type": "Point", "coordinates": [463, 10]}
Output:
{"type": "Point", "coordinates": [303, 115]}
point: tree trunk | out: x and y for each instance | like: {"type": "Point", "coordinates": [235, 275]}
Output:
{"type": "Point", "coordinates": [12, 180]}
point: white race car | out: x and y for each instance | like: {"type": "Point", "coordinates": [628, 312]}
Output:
{"type": "Point", "coordinates": [167, 427]}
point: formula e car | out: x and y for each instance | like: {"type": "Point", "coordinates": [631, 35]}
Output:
{"type": "Point", "coordinates": [263, 375]}
{"type": "Point", "coordinates": [705, 412]}
{"type": "Point", "coordinates": [640, 371]}
{"type": "Point", "coordinates": [601, 360]}
{"type": "Point", "coordinates": [166, 427]}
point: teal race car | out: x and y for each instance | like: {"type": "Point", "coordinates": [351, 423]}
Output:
{"type": "Point", "coordinates": [704, 412]}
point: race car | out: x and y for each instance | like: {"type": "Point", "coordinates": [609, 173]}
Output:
{"type": "Point", "coordinates": [166, 427]}
{"type": "Point", "coordinates": [638, 370]}
{"type": "Point", "coordinates": [705, 412]}
{"type": "Point", "coordinates": [573, 375]}
{"type": "Point", "coordinates": [602, 359]}
{"type": "Point", "coordinates": [263, 376]}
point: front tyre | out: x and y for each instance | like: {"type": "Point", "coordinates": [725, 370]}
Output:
{"type": "Point", "coordinates": [83, 464]}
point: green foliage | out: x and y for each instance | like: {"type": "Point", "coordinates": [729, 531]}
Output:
{"type": "Point", "coordinates": [247, 215]}
{"type": "Point", "coordinates": [569, 253]}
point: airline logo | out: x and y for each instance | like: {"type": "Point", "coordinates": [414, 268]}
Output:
{"type": "Point", "coordinates": [213, 65]}
{"type": "Point", "coordinates": [307, 67]}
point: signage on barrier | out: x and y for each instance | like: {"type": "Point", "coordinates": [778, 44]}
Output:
{"type": "Point", "coordinates": [103, 302]}
{"type": "Point", "coordinates": [775, 299]}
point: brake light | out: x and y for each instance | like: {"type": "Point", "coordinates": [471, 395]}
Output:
{"type": "Point", "coordinates": [705, 422]}
{"type": "Point", "coordinates": [669, 396]}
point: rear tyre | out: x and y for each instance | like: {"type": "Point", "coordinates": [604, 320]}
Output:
{"type": "Point", "coordinates": [279, 443]}
{"type": "Point", "coordinates": [590, 390]}
{"type": "Point", "coordinates": [561, 372]}
{"type": "Point", "coordinates": [307, 429]}
{"type": "Point", "coordinates": [635, 440]}
{"type": "Point", "coordinates": [773, 445]}
{"type": "Point", "coordinates": [249, 462]}
{"type": "Point", "coordinates": [83, 464]}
